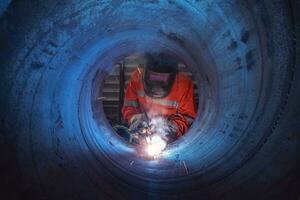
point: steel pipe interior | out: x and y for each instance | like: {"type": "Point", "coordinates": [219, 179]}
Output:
{"type": "Point", "coordinates": [243, 143]}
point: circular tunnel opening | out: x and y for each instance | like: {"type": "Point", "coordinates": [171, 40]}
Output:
{"type": "Point", "coordinates": [223, 86]}
{"type": "Point", "coordinates": [97, 130]}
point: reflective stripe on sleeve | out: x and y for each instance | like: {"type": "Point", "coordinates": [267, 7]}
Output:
{"type": "Point", "coordinates": [141, 93]}
{"type": "Point", "coordinates": [166, 102]}
{"type": "Point", "coordinates": [131, 103]}
{"type": "Point", "coordinates": [189, 119]}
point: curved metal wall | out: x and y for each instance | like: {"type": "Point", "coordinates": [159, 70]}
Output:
{"type": "Point", "coordinates": [244, 143]}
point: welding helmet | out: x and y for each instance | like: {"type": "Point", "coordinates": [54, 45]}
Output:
{"type": "Point", "coordinates": [159, 75]}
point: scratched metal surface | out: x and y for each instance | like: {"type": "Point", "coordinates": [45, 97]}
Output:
{"type": "Point", "coordinates": [244, 143]}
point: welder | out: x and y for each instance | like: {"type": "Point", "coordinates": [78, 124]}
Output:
{"type": "Point", "coordinates": [159, 98]}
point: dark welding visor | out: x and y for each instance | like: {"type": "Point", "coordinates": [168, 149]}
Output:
{"type": "Point", "coordinates": [158, 85]}
{"type": "Point", "coordinates": [161, 79]}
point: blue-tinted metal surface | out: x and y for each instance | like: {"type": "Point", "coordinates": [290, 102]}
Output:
{"type": "Point", "coordinates": [243, 144]}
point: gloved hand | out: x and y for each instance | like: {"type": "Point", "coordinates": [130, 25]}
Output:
{"type": "Point", "coordinates": [138, 121]}
{"type": "Point", "coordinates": [171, 131]}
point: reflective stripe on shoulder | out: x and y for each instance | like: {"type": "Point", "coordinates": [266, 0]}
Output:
{"type": "Point", "coordinates": [131, 103]}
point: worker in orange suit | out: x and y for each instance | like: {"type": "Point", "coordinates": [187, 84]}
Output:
{"type": "Point", "coordinates": [159, 91]}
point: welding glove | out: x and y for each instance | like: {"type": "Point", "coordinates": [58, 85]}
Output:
{"type": "Point", "coordinates": [137, 122]}
{"type": "Point", "coordinates": [171, 132]}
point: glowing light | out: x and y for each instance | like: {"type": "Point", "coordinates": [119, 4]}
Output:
{"type": "Point", "coordinates": [155, 146]}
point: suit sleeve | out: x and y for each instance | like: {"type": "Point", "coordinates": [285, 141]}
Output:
{"type": "Point", "coordinates": [131, 106]}
{"type": "Point", "coordinates": [186, 112]}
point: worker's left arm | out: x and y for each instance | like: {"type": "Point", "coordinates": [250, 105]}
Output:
{"type": "Point", "coordinates": [186, 112]}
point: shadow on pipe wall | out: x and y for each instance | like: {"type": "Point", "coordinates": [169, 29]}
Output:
{"type": "Point", "coordinates": [244, 143]}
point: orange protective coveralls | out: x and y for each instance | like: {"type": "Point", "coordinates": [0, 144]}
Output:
{"type": "Point", "coordinates": [178, 106]}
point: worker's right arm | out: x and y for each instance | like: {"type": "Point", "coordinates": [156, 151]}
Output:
{"type": "Point", "coordinates": [186, 112]}
{"type": "Point", "coordinates": [131, 106]}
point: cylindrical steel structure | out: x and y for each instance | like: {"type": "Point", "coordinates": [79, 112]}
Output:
{"type": "Point", "coordinates": [244, 143]}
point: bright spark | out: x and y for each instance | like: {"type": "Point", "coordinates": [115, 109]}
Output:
{"type": "Point", "coordinates": [155, 146]}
